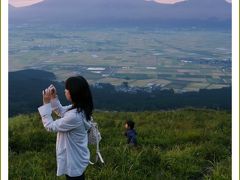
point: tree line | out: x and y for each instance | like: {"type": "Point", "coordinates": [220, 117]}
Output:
{"type": "Point", "coordinates": [25, 88]}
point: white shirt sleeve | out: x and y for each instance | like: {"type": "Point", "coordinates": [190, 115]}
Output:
{"type": "Point", "coordinates": [66, 123]}
{"type": "Point", "coordinates": [58, 108]}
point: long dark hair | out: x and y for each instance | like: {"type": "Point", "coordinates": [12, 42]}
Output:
{"type": "Point", "coordinates": [80, 94]}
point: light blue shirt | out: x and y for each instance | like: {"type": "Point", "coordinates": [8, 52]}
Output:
{"type": "Point", "coordinates": [72, 140]}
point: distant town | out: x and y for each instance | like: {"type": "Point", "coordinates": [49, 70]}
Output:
{"type": "Point", "coordinates": [141, 58]}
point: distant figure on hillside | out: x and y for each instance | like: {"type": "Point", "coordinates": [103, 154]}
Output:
{"type": "Point", "coordinates": [130, 133]}
{"type": "Point", "coordinates": [72, 127]}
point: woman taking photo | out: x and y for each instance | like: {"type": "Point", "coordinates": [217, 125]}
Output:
{"type": "Point", "coordinates": [72, 140]}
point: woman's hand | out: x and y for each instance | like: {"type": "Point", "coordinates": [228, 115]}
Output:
{"type": "Point", "coordinates": [46, 96]}
{"type": "Point", "coordinates": [53, 91]}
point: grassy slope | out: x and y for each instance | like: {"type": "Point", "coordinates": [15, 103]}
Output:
{"type": "Point", "coordinates": [182, 144]}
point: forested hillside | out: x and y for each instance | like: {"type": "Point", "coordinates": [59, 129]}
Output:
{"type": "Point", "coordinates": [25, 89]}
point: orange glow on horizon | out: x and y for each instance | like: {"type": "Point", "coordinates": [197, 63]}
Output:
{"type": "Point", "coordinates": [175, 1]}
{"type": "Point", "coordinates": [166, 1]}
{"type": "Point", "coordinates": [22, 3]}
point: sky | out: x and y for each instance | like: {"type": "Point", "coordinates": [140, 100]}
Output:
{"type": "Point", "coordinates": [22, 3]}
{"type": "Point", "coordinates": [166, 1]}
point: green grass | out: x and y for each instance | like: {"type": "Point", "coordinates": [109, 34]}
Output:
{"type": "Point", "coordinates": [182, 144]}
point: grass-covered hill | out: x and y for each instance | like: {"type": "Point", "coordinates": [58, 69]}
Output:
{"type": "Point", "coordinates": [182, 144]}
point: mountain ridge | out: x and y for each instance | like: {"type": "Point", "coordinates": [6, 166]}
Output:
{"type": "Point", "coordinates": [98, 10]}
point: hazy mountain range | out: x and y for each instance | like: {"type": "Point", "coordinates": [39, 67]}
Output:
{"type": "Point", "coordinates": [85, 11]}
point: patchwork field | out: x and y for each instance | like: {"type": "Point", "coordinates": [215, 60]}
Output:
{"type": "Point", "coordinates": [182, 59]}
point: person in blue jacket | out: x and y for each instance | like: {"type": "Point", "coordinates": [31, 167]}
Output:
{"type": "Point", "coordinates": [130, 133]}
